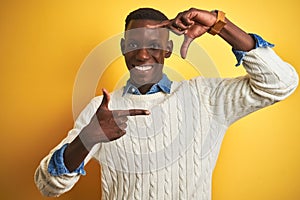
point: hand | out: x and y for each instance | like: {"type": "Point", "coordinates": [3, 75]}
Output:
{"type": "Point", "coordinates": [107, 125]}
{"type": "Point", "coordinates": [192, 23]}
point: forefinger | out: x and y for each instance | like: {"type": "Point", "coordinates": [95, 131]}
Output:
{"type": "Point", "coordinates": [130, 112]}
{"type": "Point", "coordinates": [163, 24]}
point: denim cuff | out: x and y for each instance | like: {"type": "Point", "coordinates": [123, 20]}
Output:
{"type": "Point", "coordinates": [57, 167]}
{"type": "Point", "coordinates": [260, 42]}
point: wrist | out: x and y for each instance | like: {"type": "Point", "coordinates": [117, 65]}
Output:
{"type": "Point", "coordinates": [74, 154]}
{"type": "Point", "coordinates": [236, 37]}
{"type": "Point", "coordinates": [219, 23]}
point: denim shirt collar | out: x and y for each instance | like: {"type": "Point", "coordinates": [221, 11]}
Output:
{"type": "Point", "coordinates": [164, 85]}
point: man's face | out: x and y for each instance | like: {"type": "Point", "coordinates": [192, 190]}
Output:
{"type": "Point", "coordinates": [144, 50]}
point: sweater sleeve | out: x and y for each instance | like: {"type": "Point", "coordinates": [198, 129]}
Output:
{"type": "Point", "coordinates": [51, 185]}
{"type": "Point", "coordinates": [268, 80]}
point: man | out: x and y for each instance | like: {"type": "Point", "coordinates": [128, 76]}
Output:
{"type": "Point", "coordinates": [158, 139]}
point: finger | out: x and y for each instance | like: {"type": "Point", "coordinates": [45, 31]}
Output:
{"type": "Point", "coordinates": [185, 45]}
{"type": "Point", "coordinates": [185, 19]}
{"type": "Point", "coordinates": [179, 25]}
{"type": "Point", "coordinates": [106, 98]}
{"type": "Point", "coordinates": [168, 24]}
{"type": "Point", "coordinates": [131, 112]}
{"type": "Point", "coordinates": [176, 30]}
{"type": "Point", "coordinates": [134, 112]}
{"type": "Point", "coordinates": [163, 24]}
{"type": "Point", "coordinates": [181, 21]}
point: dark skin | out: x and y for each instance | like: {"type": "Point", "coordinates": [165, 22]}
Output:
{"type": "Point", "coordinates": [145, 47]}
{"type": "Point", "coordinates": [193, 23]}
{"type": "Point", "coordinates": [107, 125]}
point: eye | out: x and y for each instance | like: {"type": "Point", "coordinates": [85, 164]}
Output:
{"type": "Point", "coordinates": [154, 46]}
{"type": "Point", "coordinates": [132, 45]}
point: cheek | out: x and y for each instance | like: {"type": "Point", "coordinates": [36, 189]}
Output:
{"type": "Point", "coordinates": [128, 59]}
{"type": "Point", "coordinates": [159, 56]}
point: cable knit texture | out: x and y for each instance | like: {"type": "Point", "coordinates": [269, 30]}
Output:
{"type": "Point", "coordinates": [171, 153]}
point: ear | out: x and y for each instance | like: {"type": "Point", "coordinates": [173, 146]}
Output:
{"type": "Point", "coordinates": [122, 44]}
{"type": "Point", "coordinates": [169, 49]}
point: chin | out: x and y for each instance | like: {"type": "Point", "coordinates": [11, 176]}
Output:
{"type": "Point", "coordinates": [143, 81]}
{"type": "Point", "coordinates": [140, 79]}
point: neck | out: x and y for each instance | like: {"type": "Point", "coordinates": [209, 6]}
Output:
{"type": "Point", "coordinates": [145, 88]}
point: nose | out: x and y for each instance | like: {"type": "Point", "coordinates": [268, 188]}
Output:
{"type": "Point", "coordinates": [142, 54]}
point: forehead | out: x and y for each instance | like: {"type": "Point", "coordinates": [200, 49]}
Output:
{"type": "Point", "coordinates": [137, 29]}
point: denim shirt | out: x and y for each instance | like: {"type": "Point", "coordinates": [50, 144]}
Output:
{"type": "Point", "coordinates": [164, 85]}
{"type": "Point", "coordinates": [56, 165]}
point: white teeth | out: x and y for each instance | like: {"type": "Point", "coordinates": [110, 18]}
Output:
{"type": "Point", "coordinates": [143, 68]}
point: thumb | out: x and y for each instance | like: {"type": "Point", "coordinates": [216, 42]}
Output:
{"type": "Point", "coordinates": [185, 45]}
{"type": "Point", "coordinates": [106, 99]}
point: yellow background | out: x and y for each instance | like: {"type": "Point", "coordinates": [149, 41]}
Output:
{"type": "Point", "coordinates": [42, 45]}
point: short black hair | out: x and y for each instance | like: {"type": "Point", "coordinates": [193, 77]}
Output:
{"type": "Point", "coordinates": [145, 13]}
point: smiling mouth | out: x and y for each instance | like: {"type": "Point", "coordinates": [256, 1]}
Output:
{"type": "Point", "coordinates": [143, 67]}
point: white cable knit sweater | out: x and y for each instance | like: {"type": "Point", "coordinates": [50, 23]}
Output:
{"type": "Point", "coordinates": [171, 153]}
